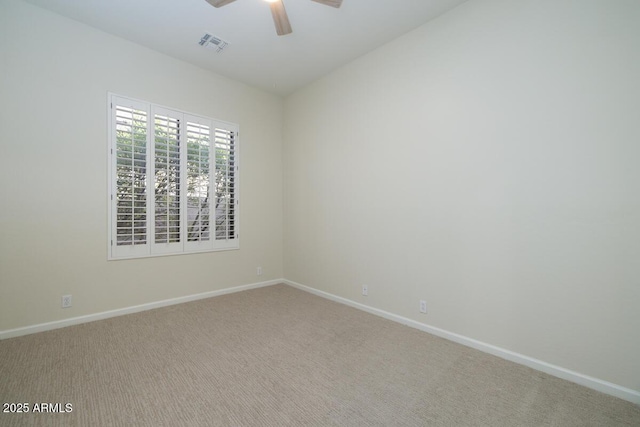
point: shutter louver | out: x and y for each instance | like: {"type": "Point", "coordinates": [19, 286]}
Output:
{"type": "Point", "coordinates": [131, 176]}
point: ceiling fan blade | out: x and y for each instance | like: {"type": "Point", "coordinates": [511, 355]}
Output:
{"type": "Point", "coordinates": [219, 3]}
{"type": "Point", "coordinates": [332, 3]}
{"type": "Point", "coordinates": [280, 18]}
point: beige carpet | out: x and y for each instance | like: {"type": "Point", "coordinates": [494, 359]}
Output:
{"type": "Point", "coordinates": [278, 356]}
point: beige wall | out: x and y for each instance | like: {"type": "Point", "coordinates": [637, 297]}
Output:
{"type": "Point", "coordinates": [54, 78]}
{"type": "Point", "coordinates": [487, 163]}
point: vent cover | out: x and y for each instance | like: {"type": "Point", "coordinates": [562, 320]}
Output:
{"type": "Point", "coordinates": [212, 42]}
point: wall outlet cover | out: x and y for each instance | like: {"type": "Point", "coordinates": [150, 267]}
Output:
{"type": "Point", "coordinates": [66, 301]}
{"type": "Point", "coordinates": [423, 306]}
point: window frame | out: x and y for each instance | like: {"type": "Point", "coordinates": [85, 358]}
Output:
{"type": "Point", "coordinates": [230, 167]}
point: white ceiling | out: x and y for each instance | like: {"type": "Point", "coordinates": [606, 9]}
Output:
{"type": "Point", "coordinates": [323, 37]}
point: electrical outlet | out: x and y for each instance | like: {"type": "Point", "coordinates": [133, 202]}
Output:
{"type": "Point", "coordinates": [365, 290]}
{"type": "Point", "coordinates": [259, 271]}
{"type": "Point", "coordinates": [66, 301]}
{"type": "Point", "coordinates": [423, 306]}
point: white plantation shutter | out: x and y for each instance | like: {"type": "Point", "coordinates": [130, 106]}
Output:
{"type": "Point", "coordinates": [199, 183]}
{"type": "Point", "coordinates": [226, 181]}
{"type": "Point", "coordinates": [167, 166]}
{"type": "Point", "coordinates": [129, 192]}
{"type": "Point", "coordinates": [173, 181]}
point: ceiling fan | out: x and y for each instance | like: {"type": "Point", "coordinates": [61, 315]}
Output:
{"type": "Point", "coordinates": [277, 10]}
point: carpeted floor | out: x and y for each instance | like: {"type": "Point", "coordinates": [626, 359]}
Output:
{"type": "Point", "coordinates": [279, 356]}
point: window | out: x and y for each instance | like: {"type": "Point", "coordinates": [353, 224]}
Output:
{"type": "Point", "coordinates": [173, 181]}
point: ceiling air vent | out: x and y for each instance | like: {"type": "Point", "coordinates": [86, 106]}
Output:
{"type": "Point", "coordinates": [212, 42]}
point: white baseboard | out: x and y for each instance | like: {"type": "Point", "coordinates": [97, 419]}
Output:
{"type": "Point", "coordinates": [557, 371]}
{"type": "Point", "coordinates": [10, 333]}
